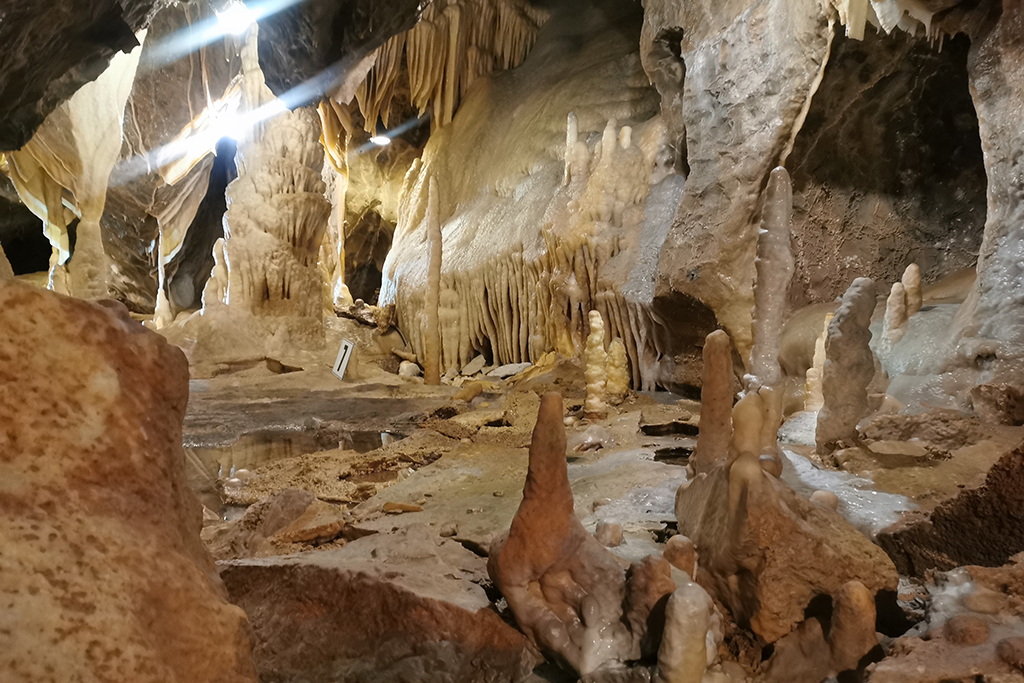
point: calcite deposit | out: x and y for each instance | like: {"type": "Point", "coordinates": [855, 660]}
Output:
{"type": "Point", "coordinates": [103, 571]}
{"type": "Point", "coordinates": [849, 366]}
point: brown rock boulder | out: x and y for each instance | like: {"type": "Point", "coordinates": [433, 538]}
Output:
{"type": "Point", "coordinates": [103, 574]}
{"type": "Point", "coordinates": [388, 607]}
{"type": "Point", "coordinates": [982, 526]}
{"type": "Point", "coordinates": [765, 552]}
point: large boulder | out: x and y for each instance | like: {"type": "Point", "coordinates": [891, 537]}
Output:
{"type": "Point", "coordinates": [403, 606]}
{"type": "Point", "coordinates": [102, 571]}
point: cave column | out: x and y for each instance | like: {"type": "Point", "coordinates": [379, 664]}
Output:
{"type": "Point", "coordinates": [994, 314]}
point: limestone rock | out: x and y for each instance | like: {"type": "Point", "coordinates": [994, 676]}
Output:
{"type": "Point", "coordinates": [580, 614]}
{"type": "Point", "coordinates": [716, 403]}
{"type": "Point", "coordinates": [680, 552]}
{"type": "Point", "coordinates": [849, 366]}
{"type": "Point", "coordinates": [979, 526]}
{"type": "Point", "coordinates": [103, 572]}
{"type": "Point", "coordinates": [1011, 651]}
{"type": "Point", "coordinates": [965, 629]}
{"type": "Point", "coordinates": [765, 552]}
{"type": "Point", "coordinates": [999, 403]}
{"type": "Point", "coordinates": [402, 606]}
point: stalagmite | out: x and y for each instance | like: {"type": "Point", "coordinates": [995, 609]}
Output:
{"type": "Point", "coordinates": [683, 657]}
{"type": "Point", "coordinates": [771, 420]}
{"type": "Point", "coordinates": [432, 332]}
{"type": "Point", "coordinates": [849, 367]}
{"type": "Point", "coordinates": [896, 313]}
{"type": "Point", "coordinates": [716, 403]}
{"type": "Point", "coordinates": [747, 426]}
{"type": "Point", "coordinates": [617, 384]}
{"type": "Point", "coordinates": [595, 374]}
{"type": "Point", "coordinates": [775, 265]}
{"type": "Point", "coordinates": [813, 399]}
{"type": "Point", "coordinates": [588, 613]}
{"type": "Point", "coordinates": [912, 285]}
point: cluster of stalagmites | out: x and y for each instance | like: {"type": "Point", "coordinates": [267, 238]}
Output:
{"type": "Point", "coordinates": [759, 554]}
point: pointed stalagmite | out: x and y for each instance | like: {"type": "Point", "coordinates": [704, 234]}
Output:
{"type": "Point", "coordinates": [912, 284]}
{"type": "Point", "coordinates": [617, 384]}
{"type": "Point", "coordinates": [715, 403]}
{"type": "Point", "coordinates": [432, 331]}
{"type": "Point", "coordinates": [774, 264]}
{"type": "Point", "coordinates": [595, 374]}
{"type": "Point", "coordinates": [588, 613]}
{"type": "Point", "coordinates": [896, 313]}
{"type": "Point", "coordinates": [849, 367]}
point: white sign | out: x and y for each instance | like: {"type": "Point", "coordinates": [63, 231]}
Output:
{"type": "Point", "coordinates": [341, 362]}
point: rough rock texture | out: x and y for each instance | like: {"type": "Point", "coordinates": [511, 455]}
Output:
{"type": "Point", "coordinates": [52, 49]}
{"type": "Point", "coordinates": [887, 167]}
{"type": "Point", "coordinates": [849, 366]}
{"type": "Point", "coordinates": [596, 373]}
{"type": "Point", "coordinates": [982, 526]}
{"type": "Point", "coordinates": [103, 573]}
{"type": "Point", "coordinates": [992, 327]}
{"type": "Point", "coordinates": [765, 552]}
{"type": "Point", "coordinates": [402, 606]}
{"type": "Point", "coordinates": [999, 403]}
{"type": "Point", "coordinates": [683, 656]}
{"type": "Point", "coordinates": [751, 68]}
{"type": "Point", "coordinates": [569, 594]}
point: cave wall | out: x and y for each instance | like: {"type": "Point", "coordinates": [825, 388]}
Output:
{"type": "Point", "coordinates": [887, 169]}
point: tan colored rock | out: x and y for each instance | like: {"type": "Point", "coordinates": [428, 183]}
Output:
{"type": "Point", "coordinates": [849, 367]}
{"type": "Point", "coordinates": [680, 552]}
{"type": "Point", "coordinates": [682, 657]}
{"type": "Point", "coordinates": [103, 574]}
{"type": "Point", "coordinates": [567, 591]}
{"type": "Point", "coordinates": [965, 629]}
{"type": "Point", "coordinates": [387, 607]}
{"type": "Point", "coordinates": [716, 396]}
{"type": "Point", "coordinates": [1011, 651]}
{"type": "Point", "coordinates": [853, 625]}
{"type": "Point", "coordinates": [896, 314]}
{"type": "Point", "coordinates": [765, 552]}
{"type": "Point", "coordinates": [617, 384]}
{"type": "Point", "coordinates": [596, 372]}
{"type": "Point", "coordinates": [999, 403]}
{"type": "Point", "coordinates": [6, 272]}
{"type": "Point", "coordinates": [911, 282]}
{"type": "Point", "coordinates": [608, 534]}
{"type": "Point", "coordinates": [825, 498]}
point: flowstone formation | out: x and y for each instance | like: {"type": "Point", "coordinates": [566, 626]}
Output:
{"type": "Point", "coordinates": [265, 294]}
{"type": "Point", "coordinates": [570, 595]}
{"type": "Point", "coordinates": [103, 572]}
{"type": "Point", "coordinates": [849, 367]}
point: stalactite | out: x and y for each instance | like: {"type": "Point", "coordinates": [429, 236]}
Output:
{"type": "Point", "coordinates": [454, 43]}
{"type": "Point", "coordinates": [432, 331]}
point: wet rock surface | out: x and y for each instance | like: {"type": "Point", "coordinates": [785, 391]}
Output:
{"type": "Point", "coordinates": [103, 571]}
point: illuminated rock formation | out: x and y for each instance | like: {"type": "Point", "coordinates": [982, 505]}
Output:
{"type": "Point", "coordinates": [683, 655]}
{"type": "Point", "coordinates": [849, 367]}
{"type": "Point", "coordinates": [813, 398]}
{"type": "Point", "coordinates": [568, 592]}
{"type": "Point", "coordinates": [911, 282]}
{"type": "Point", "coordinates": [596, 372]}
{"type": "Point", "coordinates": [74, 151]}
{"type": "Point", "coordinates": [432, 331]}
{"type": "Point", "coordinates": [896, 313]}
{"type": "Point", "coordinates": [774, 265]}
{"type": "Point", "coordinates": [103, 572]}
{"type": "Point", "coordinates": [532, 254]}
